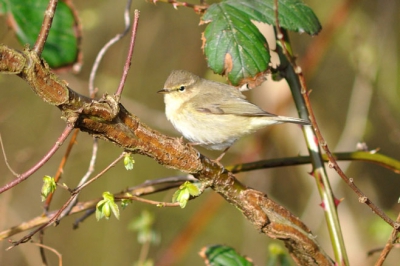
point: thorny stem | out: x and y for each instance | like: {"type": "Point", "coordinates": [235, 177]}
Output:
{"type": "Point", "coordinates": [332, 161]}
{"type": "Point", "coordinates": [295, 79]}
{"type": "Point", "coordinates": [331, 158]}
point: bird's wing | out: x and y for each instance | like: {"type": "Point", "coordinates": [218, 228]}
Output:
{"type": "Point", "coordinates": [237, 106]}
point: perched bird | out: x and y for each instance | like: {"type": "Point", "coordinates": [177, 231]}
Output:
{"type": "Point", "coordinates": [213, 114]}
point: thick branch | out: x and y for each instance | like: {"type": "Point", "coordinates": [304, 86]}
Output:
{"type": "Point", "coordinates": [108, 120]}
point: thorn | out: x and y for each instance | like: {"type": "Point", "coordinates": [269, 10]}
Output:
{"type": "Point", "coordinates": [338, 201]}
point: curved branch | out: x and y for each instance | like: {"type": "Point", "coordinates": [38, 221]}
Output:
{"type": "Point", "coordinates": [109, 120]}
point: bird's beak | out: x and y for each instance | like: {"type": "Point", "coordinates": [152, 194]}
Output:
{"type": "Point", "coordinates": [163, 91]}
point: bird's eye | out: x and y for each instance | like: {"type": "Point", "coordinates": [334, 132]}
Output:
{"type": "Point", "coordinates": [181, 88]}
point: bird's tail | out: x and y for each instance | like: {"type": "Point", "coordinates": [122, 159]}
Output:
{"type": "Point", "coordinates": [285, 119]}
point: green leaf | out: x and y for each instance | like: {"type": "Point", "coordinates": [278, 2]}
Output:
{"type": "Point", "coordinates": [128, 161]}
{"type": "Point", "coordinates": [193, 189]}
{"type": "Point", "coordinates": [235, 47]}
{"type": "Point", "coordinates": [219, 255]}
{"type": "Point", "coordinates": [49, 186]}
{"type": "Point", "coordinates": [184, 192]}
{"type": "Point", "coordinates": [232, 43]}
{"type": "Point", "coordinates": [62, 45]}
{"type": "Point", "coordinates": [182, 196]}
{"type": "Point", "coordinates": [105, 206]}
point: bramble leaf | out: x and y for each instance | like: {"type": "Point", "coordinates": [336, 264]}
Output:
{"type": "Point", "coordinates": [234, 46]}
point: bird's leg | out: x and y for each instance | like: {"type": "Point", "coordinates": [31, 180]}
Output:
{"type": "Point", "coordinates": [222, 155]}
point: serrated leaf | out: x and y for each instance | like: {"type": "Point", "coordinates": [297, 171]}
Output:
{"type": "Point", "coordinates": [219, 255]}
{"type": "Point", "coordinates": [62, 45]}
{"type": "Point", "coordinates": [232, 43]}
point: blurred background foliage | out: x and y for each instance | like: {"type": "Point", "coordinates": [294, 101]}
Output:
{"type": "Point", "coordinates": [354, 78]}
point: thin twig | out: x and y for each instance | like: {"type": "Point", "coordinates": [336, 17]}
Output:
{"type": "Point", "coordinates": [58, 254]}
{"type": "Point", "coordinates": [80, 187]}
{"type": "Point", "coordinates": [60, 169]}
{"type": "Point", "coordinates": [146, 188]}
{"type": "Point", "coordinates": [88, 173]}
{"type": "Point", "coordinates": [46, 25]}
{"type": "Point", "coordinates": [105, 48]}
{"type": "Point", "coordinates": [363, 156]}
{"type": "Point", "coordinates": [87, 214]}
{"type": "Point", "coordinates": [41, 249]}
{"type": "Point", "coordinates": [5, 158]}
{"type": "Point", "coordinates": [48, 223]}
{"type": "Point", "coordinates": [129, 57]}
{"type": "Point", "coordinates": [28, 173]}
{"type": "Point", "coordinates": [199, 9]}
{"type": "Point", "coordinates": [389, 245]}
{"type": "Point", "coordinates": [152, 202]}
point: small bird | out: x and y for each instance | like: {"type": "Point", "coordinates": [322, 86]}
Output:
{"type": "Point", "coordinates": [212, 114]}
